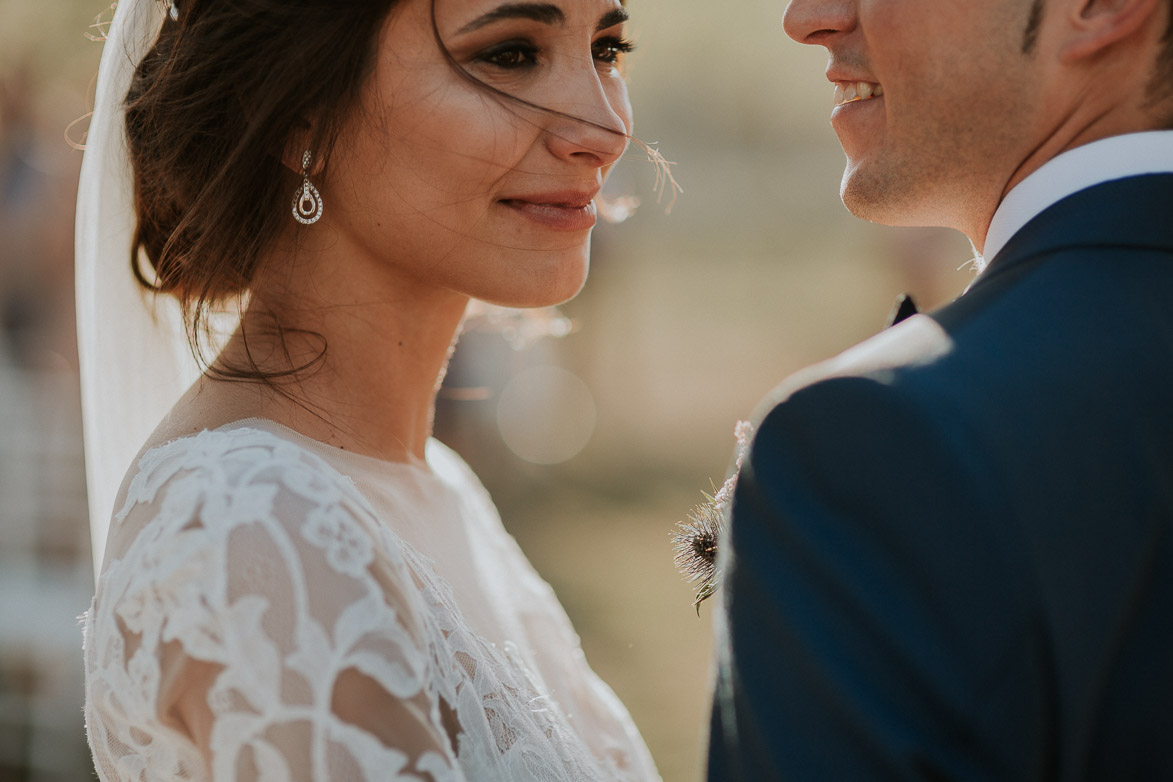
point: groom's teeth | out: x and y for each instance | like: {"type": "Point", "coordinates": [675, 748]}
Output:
{"type": "Point", "coordinates": [846, 92]}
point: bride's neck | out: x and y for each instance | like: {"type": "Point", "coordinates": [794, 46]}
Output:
{"type": "Point", "coordinates": [363, 349]}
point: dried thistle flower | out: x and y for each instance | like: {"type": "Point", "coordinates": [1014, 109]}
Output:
{"type": "Point", "coordinates": [696, 540]}
{"type": "Point", "coordinates": [695, 543]}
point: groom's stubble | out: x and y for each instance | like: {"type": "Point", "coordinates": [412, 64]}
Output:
{"type": "Point", "coordinates": [958, 99]}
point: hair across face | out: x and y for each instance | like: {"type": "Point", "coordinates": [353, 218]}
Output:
{"type": "Point", "coordinates": [440, 179]}
{"type": "Point", "coordinates": [452, 136]}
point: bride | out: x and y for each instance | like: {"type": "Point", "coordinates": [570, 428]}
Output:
{"type": "Point", "coordinates": [298, 583]}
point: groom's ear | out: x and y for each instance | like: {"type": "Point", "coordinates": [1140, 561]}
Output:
{"type": "Point", "coordinates": [1091, 27]}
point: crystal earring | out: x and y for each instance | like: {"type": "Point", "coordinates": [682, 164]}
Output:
{"type": "Point", "coordinates": [307, 202]}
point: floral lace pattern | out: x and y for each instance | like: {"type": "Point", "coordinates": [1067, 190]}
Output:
{"type": "Point", "coordinates": [256, 620]}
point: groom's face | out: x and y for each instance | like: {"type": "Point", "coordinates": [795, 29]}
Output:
{"type": "Point", "coordinates": [935, 102]}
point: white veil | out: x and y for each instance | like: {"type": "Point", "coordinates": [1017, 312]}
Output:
{"type": "Point", "coordinates": [134, 356]}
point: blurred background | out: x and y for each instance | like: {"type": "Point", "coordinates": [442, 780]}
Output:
{"type": "Point", "coordinates": [594, 445]}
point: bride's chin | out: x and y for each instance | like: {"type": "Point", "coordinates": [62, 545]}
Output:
{"type": "Point", "coordinates": [547, 287]}
{"type": "Point", "coordinates": [561, 294]}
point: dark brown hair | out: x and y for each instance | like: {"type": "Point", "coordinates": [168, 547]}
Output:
{"type": "Point", "coordinates": [211, 109]}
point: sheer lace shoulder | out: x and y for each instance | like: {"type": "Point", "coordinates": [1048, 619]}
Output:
{"type": "Point", "coordinates": [256, 619]}
{"type": "Point", "coordinates": [242, 609]}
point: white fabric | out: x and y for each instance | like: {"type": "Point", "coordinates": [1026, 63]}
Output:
{"type": "Point", "coordinates": [134, 358]}
{"type": "Point", "coordinates": [329, 616]}
{"type": "Point", "coordinates": [1077, 169]}
{"type": "Point", "coordinates": [272, 608]}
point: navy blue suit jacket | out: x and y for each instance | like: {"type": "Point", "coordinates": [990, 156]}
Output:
{"type": "Point", "coordinates": [951, 552]}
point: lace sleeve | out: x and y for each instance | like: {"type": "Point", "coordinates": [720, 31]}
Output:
{"type": "Point", "coordinates": [254, 623]}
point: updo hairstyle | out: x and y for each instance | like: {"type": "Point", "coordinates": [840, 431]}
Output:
{"type": "Point", "coordinates": [211, 110]}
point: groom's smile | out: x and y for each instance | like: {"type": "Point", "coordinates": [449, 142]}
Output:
{"type": "Point", "coordinates": [934, 103]}
{"type": "Point", "coordinates": [859, 111]}
{"type": "Point", "coordinates": [851, 91]}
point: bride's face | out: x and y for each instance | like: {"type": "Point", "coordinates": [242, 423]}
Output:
{"type": "Point", "coordinates": [460, 189]}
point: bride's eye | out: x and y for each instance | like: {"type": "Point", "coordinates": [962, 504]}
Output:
{"type": "Point", "coordinates": [609, 49]}
{"type": "Point", "coordinates": [510, 55]}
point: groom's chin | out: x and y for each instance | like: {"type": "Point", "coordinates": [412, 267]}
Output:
{"type": "Point", "coordinates": [880, 197]}
{"type": "Point", "coordinates": [865, 197]}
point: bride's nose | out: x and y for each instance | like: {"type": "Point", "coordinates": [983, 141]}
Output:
{"type": "Point", "coordinates": [593, 124]}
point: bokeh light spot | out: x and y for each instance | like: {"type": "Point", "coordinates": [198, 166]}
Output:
{"type": "Point", "coordinates": [546, 415]}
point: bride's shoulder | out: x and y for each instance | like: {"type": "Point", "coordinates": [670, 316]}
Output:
{"type": "Point", "coordinates": [196, 496]}
{"type": "Point", "coordinates": [228, 461]}
{"type": "Point", "coordinates": [207, 509]}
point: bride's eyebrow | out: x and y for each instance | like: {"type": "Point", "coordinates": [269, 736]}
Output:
{"type": "Point", "coordinates": [612, 18]}
{"type": "Point", "coordinates": [538, 12]}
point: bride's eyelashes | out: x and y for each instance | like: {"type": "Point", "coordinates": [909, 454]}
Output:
{"type": "Point", "coordinates": [510, 55]}
{"type": "Point", "coordinates": [611, 48]}
{"type": "Point", "coordinates": [517, 54]}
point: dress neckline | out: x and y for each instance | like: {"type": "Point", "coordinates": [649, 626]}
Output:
{"type": "Point", "coordinates": [426, 468]}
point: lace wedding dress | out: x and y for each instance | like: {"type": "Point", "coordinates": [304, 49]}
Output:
{"type": "Point", "coordinates": [273, 608]}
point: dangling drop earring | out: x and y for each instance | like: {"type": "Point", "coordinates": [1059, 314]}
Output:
{"type": "Point", "coordinates": [307, 202]}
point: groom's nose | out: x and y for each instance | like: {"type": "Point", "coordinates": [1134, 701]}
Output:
{"type": "Point", "coordinates": [819, 21]}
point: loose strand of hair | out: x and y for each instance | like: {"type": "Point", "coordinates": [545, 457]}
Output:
{"type": "Point", "coordinates": [663, 167]}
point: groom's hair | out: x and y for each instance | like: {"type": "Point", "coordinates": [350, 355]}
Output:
{"type": "Point", "coordinates": [1160, 87]}
{"type": "Point", "coordinates": [1030, 36]}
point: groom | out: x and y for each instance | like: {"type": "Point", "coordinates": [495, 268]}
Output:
{"type": "Point", "coordinates": [951, 552]}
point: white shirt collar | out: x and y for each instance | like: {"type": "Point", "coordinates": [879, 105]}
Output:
{"type": "Point", "coordinates": [1077, 169]}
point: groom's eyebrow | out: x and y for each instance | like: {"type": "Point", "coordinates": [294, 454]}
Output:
{"type": "Point", "coordinates": [538, 12]}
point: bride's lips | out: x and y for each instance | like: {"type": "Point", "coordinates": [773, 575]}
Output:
{"type": "Point", "coordinates": [566, 211]}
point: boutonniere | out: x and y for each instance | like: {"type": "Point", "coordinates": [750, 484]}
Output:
{"type": "Point", "coordinates": [695, 540]}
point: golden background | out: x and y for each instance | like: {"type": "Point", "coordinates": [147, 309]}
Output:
{"type": "Point", "coordinates": [688, 320]}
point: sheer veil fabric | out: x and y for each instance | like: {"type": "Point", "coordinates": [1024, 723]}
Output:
{"type": "Point", "coordinates": [134, 356]}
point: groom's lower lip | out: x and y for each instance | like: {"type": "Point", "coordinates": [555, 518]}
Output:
{"type": "Point", "coordinates": [854, 116]}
